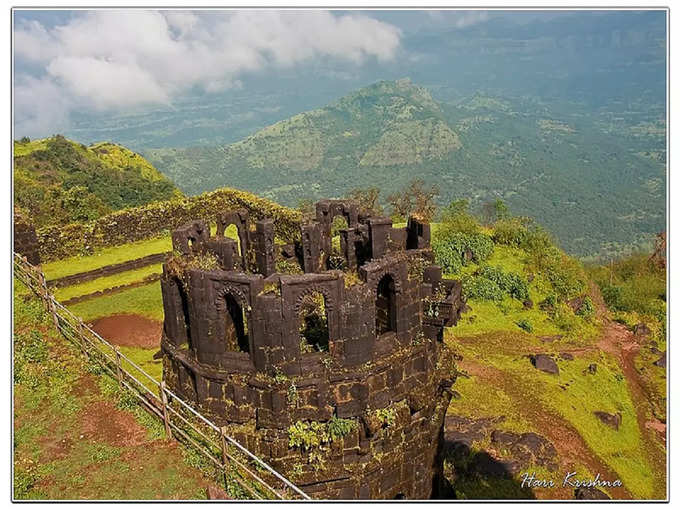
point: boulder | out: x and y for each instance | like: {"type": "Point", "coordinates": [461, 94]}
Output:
{"type": "Point", "coordinates": [611, 420]}
{"type": "Point", "coordinates": [567, 356]}
{"type": "Point", "coordinates": [641, 330]}
{"type": "Point", "coordinates": [545, 363]}
{"type": "Point", "coordinates": [592, 368]}
{"type": "Point", "coordinates": [213, 492]}
{"type": "Point", "coordinates": [528, 304]}
{"type": "Point", "coordinates": [589, 493]}
{"type": "Point", "coordinates": [661, 362]}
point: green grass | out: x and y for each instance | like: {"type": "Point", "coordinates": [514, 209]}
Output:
{"type": "Point", "coordinates": [107, 256]}
{"type": "Point", "coordinates": [116, 255]}
{"type": "Point", "coordinates": [145, 301]}
{"type": "Point", "coordinates": [573, 395]}
{"type": "Point", "coordinates": [106, 282]}
{"type": "Point", "coordinates": [53, 456]}
{"type": "Point", "coordinates": [143, 358]}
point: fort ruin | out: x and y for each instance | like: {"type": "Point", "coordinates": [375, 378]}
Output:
{"type": "Point", "coordinates": [325, 356]}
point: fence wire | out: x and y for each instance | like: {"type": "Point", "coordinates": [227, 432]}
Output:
{"type": "Point", "coordinates": [236, 465]}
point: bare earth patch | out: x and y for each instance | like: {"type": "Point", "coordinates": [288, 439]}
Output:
{"type": "Point", "coordinates": [129, 330]}
{"type": "Point", "coordinates": [102, 421]}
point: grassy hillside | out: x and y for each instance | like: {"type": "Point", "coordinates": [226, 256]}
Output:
{"type": "Point", "coordinates": [597, 183]}
{"type": "Point", "coordinates": [525, 297]}
{"type": "Point", "coordinates": [77, 436]}
{"type": "Point", "coordinates": [58, 181]}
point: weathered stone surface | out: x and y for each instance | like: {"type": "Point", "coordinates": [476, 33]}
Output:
{"type": "Point", "coordinates": [247, 345]}
{"type": "Point", "coordinates": [661, 362]}
{"type": "Point", "coordinates": [592, 368]}
{"type": "Point", "coordinates": [567, 356]}
{"type": "Point", "coordinates": [583, 493]}
{"type": "Point", "coordinates": [611, 420]}
{"type": "Point", "coordinates": [545, 363]}
{"type": "Point", "coordinates": [641, 330]}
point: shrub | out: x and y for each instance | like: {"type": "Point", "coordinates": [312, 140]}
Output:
{"type": "Point", "coordinates": [477, 287]}
{"type": "Point", "coordinates": [453, 250]}
{"type": "Point", "coordinates": [587, 308]}
{"type": "Point", "coordinates": [525, 325]}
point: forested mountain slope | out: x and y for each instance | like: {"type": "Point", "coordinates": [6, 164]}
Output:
{"type": "Point", "coordinates": [598, 184]}
{"type": "Point", "coordinates": [58, 181]}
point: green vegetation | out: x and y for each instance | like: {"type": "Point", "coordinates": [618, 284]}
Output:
{"type": "Point", "coordinates": [310, 434]}
{"type": "Point", "coordinates": [145, 301]}
{"type": "Point", "coordinates": [70, 440]}
{"type": "Point", "coordinates": [106, 256]}
{"type": "Point", "coordinates": [576, 171]}
{"type": "Point", "coordinates": [107, 282]}
{"type": "Point", "coordinates": [634, 289]}
{"type": "Point", "coordinates": [59, 181]}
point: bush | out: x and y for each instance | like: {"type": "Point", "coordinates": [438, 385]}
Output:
{"type": "Point", "coordinates": [477, 287]}
{"type": "Point", "coordinates": [457, 218]}
{"type": "Point", "coordinates": [454, 250]}
{"type": "Point", "coordinates": [587, 308]}
{"type": "Point", "coordinates": [525, 325]}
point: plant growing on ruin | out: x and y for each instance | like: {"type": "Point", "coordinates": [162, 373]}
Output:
{"type": "Point", "coordinates": [340, 427]}
{"type": "Point", "coordinates": [292, 394]}
{"type": "Point", "coordinates": [387, 416]}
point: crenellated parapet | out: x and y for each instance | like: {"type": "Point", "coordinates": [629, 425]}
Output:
{"type": "Point", "coordinates": [271, 337]}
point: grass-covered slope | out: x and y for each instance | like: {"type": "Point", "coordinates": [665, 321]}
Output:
{"type": "Point", "coordinates": [527, 298]}
{"type": "Point", "coordinates": [77, 436]}
{"type": "Point", "coordinates": [590, 180]}
{"type": "Point", "coordinates": [58, 181]}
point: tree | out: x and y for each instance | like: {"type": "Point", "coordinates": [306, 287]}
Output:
{"type": "Point", "coordinates": [368, 201]}
{"type": "Point", "coordinates": [456, 217]}
{"type": "Point", "coordinates": [414, 200]}
{"type": "Point", "coordinates": [495, 210]}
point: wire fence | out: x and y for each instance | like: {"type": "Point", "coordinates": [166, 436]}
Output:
{"type": "Point", "coordinates": [242, 473]}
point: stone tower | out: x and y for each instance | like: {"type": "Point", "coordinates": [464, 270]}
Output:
{"type": "Point", "coordinates": [324, 356]}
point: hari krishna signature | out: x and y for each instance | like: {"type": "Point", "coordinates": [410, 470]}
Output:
{"type": "Point", "coordinates": [570, 480]}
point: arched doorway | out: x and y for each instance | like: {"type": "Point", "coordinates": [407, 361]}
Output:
{"type": "Point", "coordinates": [385, 306]}
{"type": "Point", "coordinates": [235, 326]}
{"type": "Point", "coordinates": [313, 325]}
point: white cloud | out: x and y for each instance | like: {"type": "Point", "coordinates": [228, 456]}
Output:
{"type": "Point", "coordinates": [120, 59]}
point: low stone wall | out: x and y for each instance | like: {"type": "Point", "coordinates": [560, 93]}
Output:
{"type": "Point", "coordinates": [25, 239]}
{"type": "Point", "coordinates": [109, 270]}
{"type": "Point", "coordinates": [135, 224]}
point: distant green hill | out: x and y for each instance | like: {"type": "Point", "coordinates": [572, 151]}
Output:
{"type": "Point", "coordinates": [58, 181]}
{"type": "Point", "coordinates": [596, 183]}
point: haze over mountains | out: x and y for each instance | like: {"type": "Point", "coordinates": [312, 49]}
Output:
{"type": "Point", "coordinates": [596, 187]}
{"type": "Point", "coordinates": [560, 114]}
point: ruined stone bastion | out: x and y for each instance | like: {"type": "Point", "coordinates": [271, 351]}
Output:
{"type": "Point", "coordinates": [325, 358]}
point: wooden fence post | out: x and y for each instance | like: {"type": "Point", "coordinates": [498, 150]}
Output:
{"type": "Point", "coordinates": [81, 334]}
{"type": "Point", "coordinates": [166, 417]}
{"type": "Point", "coordinates": [119, 368]}
{"type": "Point", "coordinates": [223, 439]}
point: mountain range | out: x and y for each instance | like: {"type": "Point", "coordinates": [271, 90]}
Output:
{"type": "Point", "coordinates": [596, 182]}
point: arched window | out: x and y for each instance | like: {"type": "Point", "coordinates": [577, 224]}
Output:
{"type": "Point", "coordinates": [232, 232]}
{"type": "Point", "coordinates": [336, 259]}
{"type": "Point", "coordinates": [313, 323]}
{"type": "Point", "coordinates": [235, 326]}
{"type": "Point", "coordinates": [385, 306]}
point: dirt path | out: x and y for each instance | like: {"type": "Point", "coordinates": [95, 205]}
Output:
{"type": "Point", "coordinates": [130, 330]}
{"type": "Point", "coordinates": [570, 446]}
{"type": "Point", "coordinates": [621, 343]}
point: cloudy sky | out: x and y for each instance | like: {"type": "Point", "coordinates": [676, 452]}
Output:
{"type": "Point", "coordinates": [103, 60]}
{"type": "Point", "coordinates": [114, 60]}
